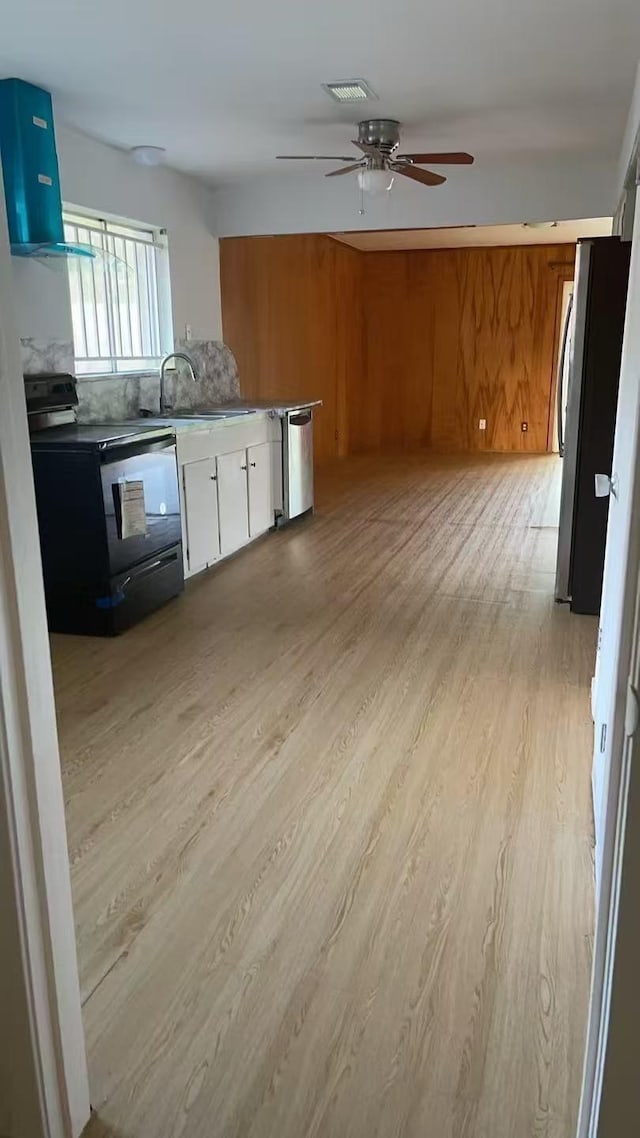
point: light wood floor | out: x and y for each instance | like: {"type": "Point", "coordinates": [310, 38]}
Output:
{"type": "Point", "coordinates": [330, 826]}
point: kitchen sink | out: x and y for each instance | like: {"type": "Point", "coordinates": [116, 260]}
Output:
{"type": "Point", "coordinates": [203, 413]}
{"type": "Point", "coordinates": [195, 414]}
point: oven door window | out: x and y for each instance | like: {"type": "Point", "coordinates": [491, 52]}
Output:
{"type": "Point", "coordinates": [141, 505]}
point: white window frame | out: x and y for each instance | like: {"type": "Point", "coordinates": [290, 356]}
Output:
{"type": "Point", "coordinates": [120, 298]}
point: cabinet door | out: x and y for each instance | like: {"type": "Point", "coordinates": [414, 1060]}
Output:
{"type": "Point", "coordinates": [233, 501]}
{"type": "Point", "coordinates": [201, 513]}
{"type": "Point", "coordinates": [260, 489]}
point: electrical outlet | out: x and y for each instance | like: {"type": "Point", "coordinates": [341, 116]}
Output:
{"type": "Point", "coordinates": [482, 425]}
{"type": "Point", "coordinates": [524, 426]}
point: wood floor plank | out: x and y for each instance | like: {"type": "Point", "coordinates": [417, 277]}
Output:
{"type": "Point", "coordinates": [330, 824]}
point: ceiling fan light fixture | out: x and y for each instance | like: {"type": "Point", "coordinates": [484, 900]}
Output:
{"type": "Point", "coordinates": [376, 181]}
{"type": "Point", "coordinates": [148, 155]}
{"type": "Point", "coordinates": [350, 91]}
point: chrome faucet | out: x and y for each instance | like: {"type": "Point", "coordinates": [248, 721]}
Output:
{"type": "Point", "coordinates": [163, 367]}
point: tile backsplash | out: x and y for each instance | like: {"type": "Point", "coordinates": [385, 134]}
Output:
{"type": "Point", "coordinates": [217, 373]}
{"type": "Point", "coordinates": [121, 397]}
{"type": "Point", "coordinates": [46, 355]}
{"type": "Point", "coordinates": [112, 399]}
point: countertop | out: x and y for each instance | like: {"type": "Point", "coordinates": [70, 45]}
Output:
{"type": "Point", "coordinates": [257, 408]}
{"type": "Point", "coordinates": [278, 406]}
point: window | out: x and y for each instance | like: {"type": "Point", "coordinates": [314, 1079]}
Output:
{"type": "Point", "coordinates": [117, 297]}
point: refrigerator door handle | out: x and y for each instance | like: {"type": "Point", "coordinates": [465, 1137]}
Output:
{"type": "Point", "coordinates": [560, 390]}
{"type": "Point", "coordinates": [571, 433]}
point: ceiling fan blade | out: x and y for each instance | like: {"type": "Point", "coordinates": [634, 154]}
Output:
{"type": "Point", "coordinates": [427, 177]}
{"type": "Point", "coordinates": [315, 157]}
{"type": "Point", "coordinates": [454, 158]}
{"type": "Point", "coordinates": [370, 151]}
{"type": "Point", "coordinates": [346, 169]}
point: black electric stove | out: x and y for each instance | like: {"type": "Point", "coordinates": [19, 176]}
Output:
{"type": "Point", "coordinates": [96, 436]}
{"type": "Point", "coordinates": [109, 519]}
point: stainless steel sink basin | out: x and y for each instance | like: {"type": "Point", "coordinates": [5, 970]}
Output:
{"type": "Point", "coordinates": [203, 413]}
{"type": "Point", "coordinates": [197, 413]}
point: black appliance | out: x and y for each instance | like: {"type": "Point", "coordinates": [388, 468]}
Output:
{"type": "Point", "coordinates": [108, 514]}
{"type": "Point", "coordinates": [587, 408]}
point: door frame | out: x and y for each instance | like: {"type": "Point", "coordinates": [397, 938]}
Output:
{"type": "Point", "coordinates": [609, 1100]}
{"type": "Point", "coordinates": [39, 952]}
{"type": "Point", "coordinates": [42, 1054]}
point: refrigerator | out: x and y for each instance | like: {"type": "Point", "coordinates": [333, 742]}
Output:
{"type": "Point", "coordinates": [587, 401]}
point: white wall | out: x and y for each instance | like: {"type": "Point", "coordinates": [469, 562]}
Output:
{"type": "Point", "coordinates": [100, 177]}
{"type": "Point", "coordinates": [632, 131]}
{"type": "Point", "coordinates": [487, 193]}
{"type": "Point", "coordinates": [41, 291]}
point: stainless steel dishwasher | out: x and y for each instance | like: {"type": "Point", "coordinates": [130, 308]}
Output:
{"type": "Point", "coordinates": [297, 463]}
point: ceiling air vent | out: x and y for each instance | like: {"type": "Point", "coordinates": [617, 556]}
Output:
{"type": "Point", "coordinates": [350, 91]}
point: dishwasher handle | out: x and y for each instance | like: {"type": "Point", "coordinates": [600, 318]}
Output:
{"type": "Point", "coordinates": [300, 418]}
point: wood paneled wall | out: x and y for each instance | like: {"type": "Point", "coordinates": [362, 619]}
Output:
{"type": "Point", "coordinates": [390, 404]}
{"type": "Point", "coordinates": [406, 349]}
{"type": "Point", "coordinates": [288, 307]}
{"type": "Point", "coordinates": [452, 336]}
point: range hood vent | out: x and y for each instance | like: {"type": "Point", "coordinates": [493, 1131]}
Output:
{"type": "Point", "coordinates": [30, 173]}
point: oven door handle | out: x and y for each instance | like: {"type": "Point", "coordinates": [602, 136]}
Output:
{"type": "Point", "coordinates": [140, 574]}
{"type": "Point", "coordinates": [118, 453]}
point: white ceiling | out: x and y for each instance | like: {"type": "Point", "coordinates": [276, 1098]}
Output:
{"type": "Point", "coordinates": [224, 85]}
{"type": "Point", "coordinates": [474, 235]}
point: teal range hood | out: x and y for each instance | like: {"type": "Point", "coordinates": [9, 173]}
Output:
{"type": "Point", "coordinates": [30, 173]}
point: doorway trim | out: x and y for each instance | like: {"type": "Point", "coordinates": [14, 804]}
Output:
{"type": "Point", "coordinates": [613, 902]}
{"type": "Point", "coordinates": [52, 1069]}
{"type": "Point", "coordinates": [42, 1053]}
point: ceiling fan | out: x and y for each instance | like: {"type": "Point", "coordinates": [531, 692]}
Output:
{"type": "Point", "coordinates": [378, 140]}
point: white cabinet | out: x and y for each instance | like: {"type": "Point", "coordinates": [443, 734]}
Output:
{"type": "Point", "coordinates": [260, 489]}
{"type": "Point", "coordinates": [200, 500]}
{"type": "Point", "coordinates": [230, 485]}
{"type": "Point", "coordinates": [232, 501]}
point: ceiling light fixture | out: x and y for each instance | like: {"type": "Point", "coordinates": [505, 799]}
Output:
{"type": "Point", "coordinates": [350, 91]}
{"type": "Point", "coordinates": [375, 181]}
{"type": "Point", "coordinates": [148, 155]}
{"type": "Point", "coordinates": [539, 224]}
